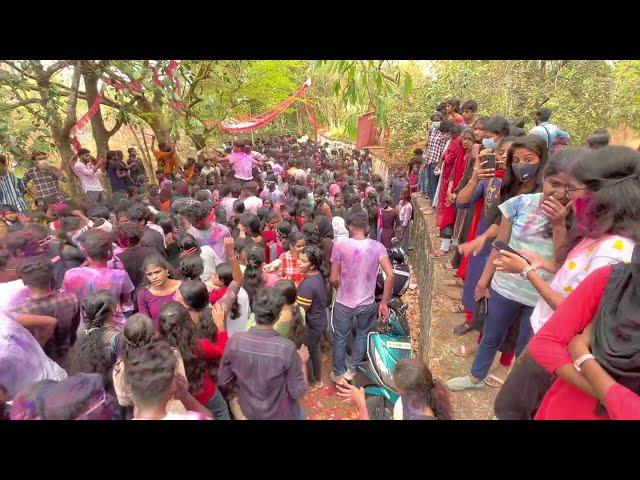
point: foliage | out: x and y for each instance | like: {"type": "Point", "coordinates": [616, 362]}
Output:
{"type": "Point", "coordinates": [584, 95]}
{"type": "Point", "coordinates": [366, 85]}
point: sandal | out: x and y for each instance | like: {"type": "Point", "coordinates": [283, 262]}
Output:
{"type": "Point", "coordinates": [462, 328]}
{"type": "Point", "coordinates": [462, 352]}
{"type": "Point", "coordinates": [494, 381]}
{"type": "Point", "coordinates": [457, 309]}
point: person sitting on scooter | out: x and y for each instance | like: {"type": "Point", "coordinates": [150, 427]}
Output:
{"type": "Point", "coordinates": [421, 397]}
{"type": "Point", "coordinates": [402, 273]}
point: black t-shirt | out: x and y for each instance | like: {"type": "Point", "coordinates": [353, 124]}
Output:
{"type": "Point", "coordinates": [312, 296]}
{"type": "Point", "coordinates": [132, 261]}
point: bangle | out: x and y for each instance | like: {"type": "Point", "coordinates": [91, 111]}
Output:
{"type": "Point", "coordinates": [583, 358]}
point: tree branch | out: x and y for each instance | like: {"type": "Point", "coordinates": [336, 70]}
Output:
{"type": "Point", "coordinates": [72, 101]}
{"type": "Point", "coordinates": [21, 103]}
{"type": "Point", "coordinates": [115, 128]}
{"type": "Point", "coordinates": [19, 69]}
{"type": "Point", "coordinates": [59, 65]}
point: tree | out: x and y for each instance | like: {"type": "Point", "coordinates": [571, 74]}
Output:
{"type": "Point", "coordinates": [37, 87]}
{"type": "Point", "coordinates": [367, 85]}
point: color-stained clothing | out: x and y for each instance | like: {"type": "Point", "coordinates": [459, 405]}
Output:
{"type": "Point", "coordinates": [584, 258]}
{"type": "Point", "coordinates": [214, 237]}
{"type": "Point", "coordinates": [359, 261]}
{"type": "Point", "coordinates": [82, 281]}
{"type": "Point", "coordinates": [530, 230]}
{"type": "Point", "coordinates": [290, 269]}
{"type": "Point", "coordinates": [22, 360]}
{"type": "Point", "coordinates": [242, 165]}
{"type": "Point", "coordinates": [62, 306]}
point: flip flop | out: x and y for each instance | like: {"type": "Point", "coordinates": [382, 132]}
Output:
{"type": "Point", "coordinates": [462, 328]}
{"type": "Point", "coordinates": [498, 381]}
{"type": "Point", "coordinates": [463, 352]}
{"type": "Point", "coordinates": [457, 309]}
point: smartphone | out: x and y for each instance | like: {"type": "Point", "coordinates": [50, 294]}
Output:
{"type": "Point", "coordinates": [489, 161]}
{"type": "Point", "coordinates": [498, 245]}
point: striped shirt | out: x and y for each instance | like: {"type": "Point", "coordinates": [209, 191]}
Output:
{"type": "Point", "coordinates": [10, 192]}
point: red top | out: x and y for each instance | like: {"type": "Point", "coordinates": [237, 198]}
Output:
{"type": "Point", "coordinates": [270, 237]}
{"type": "Point", "coordinates": [216, 295]}
{"type": "Point", "coordinates": [549, 348]}
{"type": "Point", "coordinates": [452, 170]}
{"type": "Point", "coordinates": [210, 351]}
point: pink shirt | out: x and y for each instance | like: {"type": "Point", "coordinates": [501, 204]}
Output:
{"type": "Point", "coordinates": [242, 165]}
{"type": "Point", "coordinates": [359, 261]}
{"type": "Point", "coordinates": [82, 281]}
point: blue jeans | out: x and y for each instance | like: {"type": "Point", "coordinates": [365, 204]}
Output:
{"type": "Point", "coordinates": [218, 406]}
{"type": "Point", "coordinates": [432, 182]}
{"type": "Point", "coordinates": [501, 313]}
{"type": "Point", "coordinates": [342, 318]}
{"type": "Point", "coordinates": [423, 186]}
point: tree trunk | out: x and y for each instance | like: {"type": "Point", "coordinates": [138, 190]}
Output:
{"type": "Point", "coordinates": [100, 133]}
{"type": "Point", "coordinates": [63, 144]}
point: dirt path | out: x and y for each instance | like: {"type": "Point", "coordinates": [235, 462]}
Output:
{"type": "Point", "coordinates": [470, 405]}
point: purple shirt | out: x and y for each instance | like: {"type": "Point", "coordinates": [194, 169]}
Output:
{"type": "Point", "coordinates": [266, 371]}
{"type": "Point", "coordinates": [22, 360]}
{"type": "Point", "coordinates": [242, 165]}
{"type": "Point", "coordinates": [359, 261]}
{"type": "Point", "coordinates": [213, 237]}
{"type": "Point", "coordinates": [150, 305]}
{"type": "Point", "coordinates": [82, 281]}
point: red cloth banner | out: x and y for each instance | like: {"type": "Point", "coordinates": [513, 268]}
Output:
{"type": "Point", "coordinates": [250, 124]}
{"type": "Point", "coordinates": [86, 118]}
{"type": "Point", "coordinates": [366, 131]}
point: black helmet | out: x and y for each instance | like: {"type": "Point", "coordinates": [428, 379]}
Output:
{"type": "Point", "coordinates": [397, 255]}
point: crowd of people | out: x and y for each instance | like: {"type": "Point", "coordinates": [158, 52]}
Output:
{"type": "Point", "coordinates": [546, 239]}
{"type": "Point", "coordinates": [206, 294]}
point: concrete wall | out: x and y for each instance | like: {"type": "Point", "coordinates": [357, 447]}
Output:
{"type": "Point", "coordinates": [422, 263]}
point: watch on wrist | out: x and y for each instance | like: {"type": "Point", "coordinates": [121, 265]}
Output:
{"type": "Point", "coordinates": [525, 273]}
{"type": "Point", "coordinates": [581, 359]}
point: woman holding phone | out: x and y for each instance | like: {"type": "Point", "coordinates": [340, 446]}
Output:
{"type": "Point", "coordinates": [524, 226]}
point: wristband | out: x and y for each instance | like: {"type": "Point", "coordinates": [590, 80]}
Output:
{"type": "Point", "coordinates": [583, 358]}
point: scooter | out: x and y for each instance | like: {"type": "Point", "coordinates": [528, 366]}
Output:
{"type": "Point", "coordinates": [388, 343]}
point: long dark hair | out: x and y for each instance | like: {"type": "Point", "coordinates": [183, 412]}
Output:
{"type": "Point", "coordinates": [253, 281]}
{"type": "Point", "coordinates": [179, 331]}
{"type": "Point", "coordinates": [195, 294]}
{"type": "Point", "coordinates": [315, 257]}
{"type": "Point", "coordinates": [613, 173]}
{"type": "Point", "coordinates": [90, 355]}
{"type": "Point", "coordinates": [420, 389]}
{"type": "Point", "coordinates": [289, 291]}
{"type": "Point", "coordinates": [510, 183]}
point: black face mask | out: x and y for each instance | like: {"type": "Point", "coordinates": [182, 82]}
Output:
{"type": "Point", "coordinates": [524, 171]}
